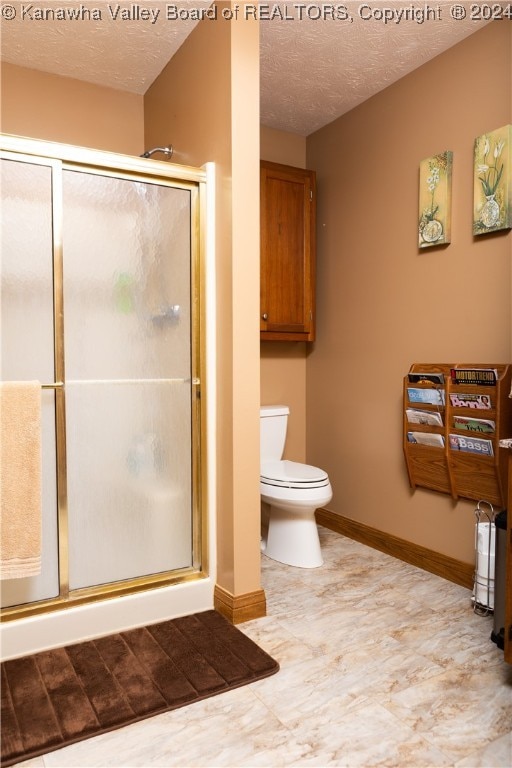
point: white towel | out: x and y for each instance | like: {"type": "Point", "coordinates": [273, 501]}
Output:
{"type": "Point", "coordinates": [20, 479]}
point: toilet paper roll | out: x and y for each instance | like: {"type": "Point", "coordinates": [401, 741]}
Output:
{"type": "Point", "coordinates": [485, 537]}
{"type": "Point", "coordinates": [484, 593]}
{"type": "Point", "coordinates": [485, 566]}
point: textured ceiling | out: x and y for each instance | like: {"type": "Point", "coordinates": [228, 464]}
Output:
{"type": "Point", "coordinates": [315, 64]}
{"type": "Point", "coordinates": [314, 71]}
{"type": "Point", "coordinates": [122, 53]}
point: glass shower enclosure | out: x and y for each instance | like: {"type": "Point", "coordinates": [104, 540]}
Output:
{"type": "Point", "coordinates": [101, 304]}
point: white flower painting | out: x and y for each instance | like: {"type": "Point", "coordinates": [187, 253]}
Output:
{"type": "Point", "coordinates": [492, 208]}
{"type": "Point", "coordinates": [435, 197]}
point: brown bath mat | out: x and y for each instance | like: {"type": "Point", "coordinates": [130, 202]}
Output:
{"type": "Point", "coordinates": [55, 698]}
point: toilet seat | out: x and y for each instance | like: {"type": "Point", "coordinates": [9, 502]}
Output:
{"type": "Point", "coordinates": [292, 474]}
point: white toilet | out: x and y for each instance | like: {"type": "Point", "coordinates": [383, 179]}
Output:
{"type": "Point", "coordinates": [294, 491]}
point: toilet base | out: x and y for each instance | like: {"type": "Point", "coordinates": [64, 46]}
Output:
{"type": "Point", "coordinates": [293, 538]}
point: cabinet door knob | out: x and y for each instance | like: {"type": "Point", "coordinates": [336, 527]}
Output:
{"type": "Point", "coordinates": [264, 316]}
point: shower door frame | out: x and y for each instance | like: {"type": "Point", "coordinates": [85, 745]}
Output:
{"type": "Point", "coordinates": [63, 157]}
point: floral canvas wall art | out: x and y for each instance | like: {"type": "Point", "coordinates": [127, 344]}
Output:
{"type": "Point", "coordinates": [435, 200]}
{"type": "Point", "coordinates": [492, 208]}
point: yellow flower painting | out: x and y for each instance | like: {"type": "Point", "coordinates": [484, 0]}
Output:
{"type": "Point", "coordinates": [492, 209]}
{"type": "Point", "coordinates": [435, 200]}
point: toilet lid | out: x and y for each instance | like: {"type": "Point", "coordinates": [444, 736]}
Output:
{"type": "Point", "coordinates": [292, 474]}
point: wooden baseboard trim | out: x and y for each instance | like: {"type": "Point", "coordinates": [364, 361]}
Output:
{"type": "Point", "coordinates": [433, 562]}
{"type": "Point", "coordinates": [240, 608]}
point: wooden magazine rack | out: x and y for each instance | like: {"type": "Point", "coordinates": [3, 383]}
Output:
{"type": "Point", "coordinates": [448, 469]}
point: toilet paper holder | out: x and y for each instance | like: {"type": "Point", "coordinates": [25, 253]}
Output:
{"type": "Point", "coordinates": [485, 547]}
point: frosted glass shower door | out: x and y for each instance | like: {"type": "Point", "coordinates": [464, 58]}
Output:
{"type": "Point", "coordinates": [127, 309]}
{"type": "Point", "coordinates": [27, 342]}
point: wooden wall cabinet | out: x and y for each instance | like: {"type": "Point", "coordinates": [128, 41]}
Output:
{"type": "Point", "coordinates": [461, 473]}
{"type": "Point", "coordinates": [288, 253]}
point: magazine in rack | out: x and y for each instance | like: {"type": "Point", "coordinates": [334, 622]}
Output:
{"type": "Point", "coordinates": [471, 444]}
{"type": "Point", "coordinates": [480, 377]}
{"type": "Point", "coordinates": [426, 438]}
{"type": "Point", "coordinates": [428, 418]}
{"type": "Point", "coordinates": [483, 426]}
{"type": "Point", "coordinates": [426, 378]}
{"type": "Point", "coordinates": [425, 395]}
{"type": "Point", "coordinates": [470, 400]}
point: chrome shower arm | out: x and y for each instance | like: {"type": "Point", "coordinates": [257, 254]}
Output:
{"type": "Point", "coordinates": [166, 150]}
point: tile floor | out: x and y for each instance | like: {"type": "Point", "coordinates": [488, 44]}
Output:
{"type": "Point", "coordinates": [382, 664]}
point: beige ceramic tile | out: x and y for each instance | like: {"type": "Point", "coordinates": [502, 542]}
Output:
{"type": "Point", "coordinates": [365, 736]}
{"type": "Point", "coordinates": [496, 754]}
{"type": "Point", "coordinates": [458, 711]}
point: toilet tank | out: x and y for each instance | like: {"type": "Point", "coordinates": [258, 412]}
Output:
{"type": "Point", "coordinates": [273, 423]}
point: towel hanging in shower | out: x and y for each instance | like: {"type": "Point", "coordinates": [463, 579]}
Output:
{"type": "Point", "coordinates": [20, 479]}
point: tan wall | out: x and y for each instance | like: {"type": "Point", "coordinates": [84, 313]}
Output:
{"type": "Point", "coordinates": [382, 304]}
{"type": "Point", "coordinates": [283, 365]}
{"type": "Point", "coordinates": [206, 103]}
{"type": "Point", "coordinates": [282, 147]}
{"type": "Point", "coordinates": [53, 108]}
